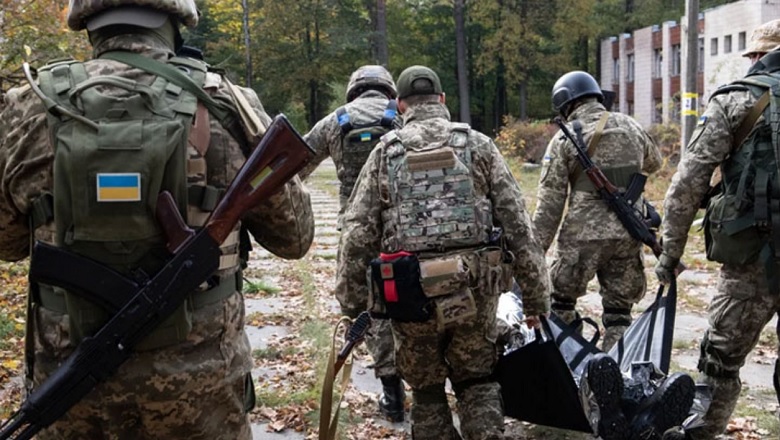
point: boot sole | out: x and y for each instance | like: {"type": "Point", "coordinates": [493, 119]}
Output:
{"type": "Point", "coordinates": [606, 383]}
{"type": "Point", "coordinates": [674, 406]}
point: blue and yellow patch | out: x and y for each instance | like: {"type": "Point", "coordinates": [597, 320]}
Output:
{"type": "Point", "coordinates": [118, 187]}
{"type": "Point", "coordinates": [702, 121]}
{"type": "Point", "coordinates": [365, 137]}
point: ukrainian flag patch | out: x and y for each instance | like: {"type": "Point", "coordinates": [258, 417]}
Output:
{"type": "Point", "coordinates": [118, 187]}
{"type": "Point", "coordinates": [365, 137]}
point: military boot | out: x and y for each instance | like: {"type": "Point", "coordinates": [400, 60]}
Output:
{"type": "Point", "coordinates": [669, 405]}
{"type": "Point", "coordinates": [391, 402]}
{"type": "Point", "coordinates": [676, 433]}
{"type": "Point", "coordinates": [606, 383]}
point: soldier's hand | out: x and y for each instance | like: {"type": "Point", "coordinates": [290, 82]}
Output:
{"type": "Point", "coordinates": [535, 321]}
{"type": "Point", "coordinates": [666, 268]}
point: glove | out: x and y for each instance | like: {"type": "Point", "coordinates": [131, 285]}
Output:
{"type": "Point", "coordinates": [666, 268]}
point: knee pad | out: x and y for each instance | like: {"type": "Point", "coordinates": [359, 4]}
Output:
{"type": "Point", "coordinates": [711, 363]}
{"type": "Point", "coordinates": [616, 316]}
{"type": "Point", "coordinates": [432, 394]}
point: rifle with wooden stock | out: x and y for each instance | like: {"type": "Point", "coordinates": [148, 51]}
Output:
{"type": "Point", "coordinates": [617, 201]}
{"type": "Point", "coordinates": [139, 308]}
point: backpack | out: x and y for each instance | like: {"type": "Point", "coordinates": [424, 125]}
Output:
{"type": "Point", "coordinates": [357, 142]}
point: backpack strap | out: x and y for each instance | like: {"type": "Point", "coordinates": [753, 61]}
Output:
{"type": "Point", "coordinates": [592, 145]}
{"type": "Point", "coordinates": [226, 116]}
{"type": "Point", "coordinates": [343, 118]}
{"type": "Point", "coordinates": [750, 119]}
{"type": "Point", "coordinates": [390, 112]}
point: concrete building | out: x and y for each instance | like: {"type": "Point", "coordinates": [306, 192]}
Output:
{"type": "Point", "coordinates": [645, 68]}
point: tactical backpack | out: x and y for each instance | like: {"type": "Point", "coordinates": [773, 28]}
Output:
{"type": "Point", "coordinates": [742, 222]}
{"type": "Point", "coordinates": [358, 141]}
{"type": "Point", "coordinates": [113, 154]}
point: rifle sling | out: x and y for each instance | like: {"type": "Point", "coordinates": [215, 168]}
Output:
{"type": "Point", "coordinates": [592, 145]}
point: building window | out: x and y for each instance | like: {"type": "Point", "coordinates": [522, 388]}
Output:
{"type": "Point", "coordinates": [700, 60]}
{"type": "Point", "coordinates": [630, 68]}
{"type": "Point", "coordinates": [741, 41]}
{"type": "Point", "coordinates": [727, 44]}
{"type": "Point", "coordinates": [658, 111]}
{"type": "Point", "coordinates": [676, 60]}
{"type": "Point", "coordinates": [615, 71]}
{"type": "Point", "coordinates": [658, 62]}
{"type": "Point", "coordinates": [713, 46]}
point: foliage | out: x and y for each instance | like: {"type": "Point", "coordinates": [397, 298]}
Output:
{"type": "Point", "coordinates": [667, 136]}
{"type": "Point", "coordinates": [525, 140]}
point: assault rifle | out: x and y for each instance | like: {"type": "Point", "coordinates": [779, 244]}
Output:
{"type": "Point", "coordinates": [278, 157]}
{"type": "Point", "coordinates": [618, 202]}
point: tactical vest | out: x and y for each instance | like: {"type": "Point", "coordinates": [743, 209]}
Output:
{"type": "Point", "coordinates": [112, 156]}
{"type": "Point", "coordinates": [742, 223]}
{"type": "Point", "coordinates": [357, 141]}
{"type": "Point", "coordinates": [434, 204]}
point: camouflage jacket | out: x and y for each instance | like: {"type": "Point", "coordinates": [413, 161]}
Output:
{"type": "Point", "coordinates": [362, 233]}
{"type": "Point", "coordinates": [623, 143]}
{"type": "Point", "coordinates": [710, 144]}
{"type": "Point", "coordinates": [284, 224]}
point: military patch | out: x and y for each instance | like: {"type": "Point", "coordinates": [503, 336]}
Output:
{"type": "Point", "coordinates": [365, 137]}
{"type": "Point", "coordinates": [702, 121]}
{"type": "Point", "coordinates": [546, 162]}
{"type": "Point", "coordinates": [118, 187]}
{"type": "Point", "coordinates": [386, 270]}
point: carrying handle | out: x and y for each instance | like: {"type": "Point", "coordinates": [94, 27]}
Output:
{"type": "Point", "coordinates": [146, 92]}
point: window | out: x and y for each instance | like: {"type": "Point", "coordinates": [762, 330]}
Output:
{"type": "Point", "coordinates": [615, 71]}
{"type": "Point", "coordinates": [630, 68]}
{"type": "Point", "coordinates": [727, 44]}
{"type": "Point", "coordinates": [713, 46]}
{"type": "Point", "coordinates": [741, 41]}
{"type": "Point", "coordinates": [700, 60]}
{"type": "Point", "coordinates": [658, 62]}
{"type": "Point", "coordinates": [676, 60]}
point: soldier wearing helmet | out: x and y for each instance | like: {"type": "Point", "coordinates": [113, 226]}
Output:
{"type": "Point", "coordinates": [591, 240]}
{"type": "Point", "coordinates": [190, 377]}
{"type": "Point", "coordinates": [347, 136]}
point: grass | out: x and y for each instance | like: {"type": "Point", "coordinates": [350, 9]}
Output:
{"type": "Point", "coordinates": [764, 412]}
{"type": "Point", "coordinates": [260, 286]}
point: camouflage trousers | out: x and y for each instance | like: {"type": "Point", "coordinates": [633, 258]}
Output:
{"type": "Point", "coordinates": [617, 265]}
{"type": "Point", "coordinates": [196, 389]}
{"type": "Point", "coordinates": [427, 355]}
{"type": "Point", "coordinates": [738, 313]}
{"type": "Point", "coordinates": [381, 345]}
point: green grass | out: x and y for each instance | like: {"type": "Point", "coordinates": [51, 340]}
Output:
{"type": "Point", "coordinates": [260, 286]}
{"type": "Point", "coordinates": [761, 409]}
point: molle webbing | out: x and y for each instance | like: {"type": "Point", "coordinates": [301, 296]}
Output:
{"type": "Point", "coordinates": [357, 142]}
{"type": "Point", "coordinates": [434, 201]}
{"type": "Point", "coordinates": [618, 176]}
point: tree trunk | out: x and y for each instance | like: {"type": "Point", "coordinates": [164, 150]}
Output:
{"type": "Point", "coordinates": [462, 61]}
{"type": "Point", "coordinates": [380, 32]}
{"type": "Point", "coordinates": [500, 105]}
{"type": "Point", "coordinates": [247, 43]}
{"type": "Point", "coordinates": [523, 91]}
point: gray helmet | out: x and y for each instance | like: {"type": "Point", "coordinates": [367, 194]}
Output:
{"type": "Point", "coordinates": [370, 77]}
{"type": "Point", "coordinates": [136, 12]}
{"type": "Point", "coordinates": [573, 86]}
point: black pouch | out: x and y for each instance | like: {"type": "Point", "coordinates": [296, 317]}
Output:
{"type": "Point", "coordinates": [397, 279]}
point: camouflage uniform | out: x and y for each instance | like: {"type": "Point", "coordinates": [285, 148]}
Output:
{"type": "Point", "coordinates": [592, 241]}
{"type": "Point", "coordinates": [193, 389]}
{"type": "Point", "coordinates": [427, 354]}
{"type": "Point", "coordinates": [743, 303]}
{"type": "Point", "coordinates": [327, 139]}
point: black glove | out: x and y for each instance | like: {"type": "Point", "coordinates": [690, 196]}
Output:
{"type": "Point", "coordinates": [666, 268]}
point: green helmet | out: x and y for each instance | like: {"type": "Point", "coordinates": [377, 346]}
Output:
{"type": "Point", "coordinates": [136, 12]}
{"type": "Point", "coordinates": [370, 77]}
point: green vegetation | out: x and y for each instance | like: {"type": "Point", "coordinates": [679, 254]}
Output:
{"type": "Point", "coordinates": [260, 286]}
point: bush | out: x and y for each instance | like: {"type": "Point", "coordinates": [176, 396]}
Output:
{"type": "Point", "coordinates": [667, 136]}
{"type": "Point", "coordinates": [524, 140]}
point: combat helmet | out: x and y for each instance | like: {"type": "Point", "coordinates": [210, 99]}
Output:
{"type": "Point", "coordinates": [571, 87]}
{"type": "Point", "coordinates": [92, 14]}
{"type": "Point", "coordinates": [370, 77]}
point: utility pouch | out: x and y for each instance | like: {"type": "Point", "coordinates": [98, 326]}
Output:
{"type": "Point", "coordinates": [443, 276]}
{"type": "Point", "coordinates": [397, 279]}
{"type": "Point", "coordinates": [456, 308]}
{"type": "Point", "coordinates": [731, 237]}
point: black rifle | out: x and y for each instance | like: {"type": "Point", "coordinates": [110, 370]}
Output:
{"type": "Point", "coordinates": [278, 157]}
{"type": "Point", "coordinates": [618, 202]}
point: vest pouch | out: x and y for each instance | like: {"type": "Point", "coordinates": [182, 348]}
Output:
{"type": "Point", "coordinates": [443, 276]}
{"type": "Point", "coordinates": [495, 275]}
{"type": "Point", "coordinates": [86, 318]}
{"type": "Point", "coordinates": [456, 308]}
{"type": "Point", "coordinates": [731, 237]}
{"type": "Point", "coordinates": [396, 278]}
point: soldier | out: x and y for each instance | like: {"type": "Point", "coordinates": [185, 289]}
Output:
{"type": "Point", "coordinates": [190, 377]}
{"type": "Point", "coordinates": [438, 206]}
{"type": "Point", "coordinates": [741, 225]}
{"type": "Point", "coordinates": [348, 135]}
{"type": "Point", "coordinates": [592, 241]}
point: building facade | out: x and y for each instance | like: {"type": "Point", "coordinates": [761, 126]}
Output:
{"type": "Point", "coordinates": [646, 68]}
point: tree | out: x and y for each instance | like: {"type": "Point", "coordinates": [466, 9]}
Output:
{"type": "Point", "coordinates": [462, 60]}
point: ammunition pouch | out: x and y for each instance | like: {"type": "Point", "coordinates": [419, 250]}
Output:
{"type": "Point", "coordinates": [731, 236]}
{"type": "Point", "coordinates": [396, 281]}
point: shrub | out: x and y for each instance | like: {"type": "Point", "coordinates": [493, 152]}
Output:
{"type": "Point", "coordinates": [524, 140]}
{"type": "Point", "coordinates": [667, 136]}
